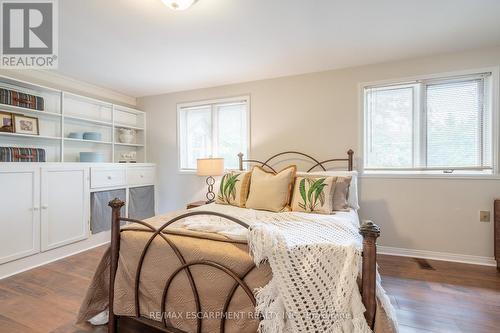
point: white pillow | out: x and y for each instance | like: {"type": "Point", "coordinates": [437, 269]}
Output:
{"type": "Point", "coordinates": [352, 200]}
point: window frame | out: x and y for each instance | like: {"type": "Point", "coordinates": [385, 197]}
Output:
{"type": "Point", "coordinates": [494, 97]}
{"type": "Point", "coordinates": [212, 103]}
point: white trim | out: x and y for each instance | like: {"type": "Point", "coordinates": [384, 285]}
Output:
{"type": "Point", "coordinates": [127, 109]}
{"type": "Point", "coordinates": [495, 118]}
{"type": "Point", "coordinates": [244, 99]}
{"type": "Point", "coordinates": [87, 99]}
{"type": "Point", "coordinates": [113, 134]}
{"type": "Point", "coordinates": [429, 176]}
{"type": "Point", "coordinates": [443, 256]}
{"type": "Point", "coordinates": [43, 258]}
{"type": "Point", "coordinates": [222, 100]}
{"type": "Point", "coordinates": [406, 80]}
{"type": "Point", "coordinates": [63, 123]}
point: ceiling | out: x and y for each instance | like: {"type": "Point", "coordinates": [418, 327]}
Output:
{"type": "Point", "coordinates": [141, 47]}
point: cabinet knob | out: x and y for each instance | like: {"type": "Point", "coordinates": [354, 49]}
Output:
{"type": "Point", "coordinates": [142, 176]}
{"type": "Point", "coordinates": [45, 207]}
{"type": "Point", "coordinates": [36, 208]}
{"type": "Point", "coordinates": [109, 177]}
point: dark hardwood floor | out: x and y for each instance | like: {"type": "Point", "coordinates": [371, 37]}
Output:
{"type": "Point", "coordinates": [429, 296]}
{"type": "Point", "coordinates": [445, 297]}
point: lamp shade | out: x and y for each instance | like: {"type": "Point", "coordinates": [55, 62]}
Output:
{"type": "Point", "coordinates": [210, 166]}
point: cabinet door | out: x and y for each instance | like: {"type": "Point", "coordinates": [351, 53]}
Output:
{"type": "Point", "coordinates": [19, 213]}
{"type": "Point", "coordinates": [65, 197]}
{"type": "Point", "coordinates": [141, 202]}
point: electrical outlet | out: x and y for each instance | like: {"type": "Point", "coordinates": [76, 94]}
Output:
{"type": "Point", "coordinates": [484, 216]}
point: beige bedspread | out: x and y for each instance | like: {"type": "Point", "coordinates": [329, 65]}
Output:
{"type": "Point", "coordinates": [213, 285]}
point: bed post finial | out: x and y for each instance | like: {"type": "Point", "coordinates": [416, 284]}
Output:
{"type": "Point", "coordinates": [116, 204]}
{"type": "Point", "coordinates": [240, 158]}
{"type": "Point", "coordinates": [350, 153]}
{"type": "Point", "coordinates": [370, 232]}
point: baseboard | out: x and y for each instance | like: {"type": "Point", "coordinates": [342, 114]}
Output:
{"type": "Point", "coordinates": [443, 256]}
{"type": "Point", "coordinates": [43, 258]}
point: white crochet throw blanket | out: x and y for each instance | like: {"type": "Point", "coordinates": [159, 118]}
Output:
{"type": "Point", "coordinates": [315, 260]}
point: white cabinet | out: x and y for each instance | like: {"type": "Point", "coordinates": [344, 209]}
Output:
{"type": "Point", "coordinates": [19, 213]}
{"type": "Point", "coordinates": [65, 113]}
{"type": "Point", "coordinates": [141, 176]}
{"type": "Point", "coordinates": [108, 177]}
{"type": "Point", "coordinates": [42, 208]}
{"type": "Point", "coordinates": [64, 206]}
{"type": "Point", "coordinates": [45, 208]}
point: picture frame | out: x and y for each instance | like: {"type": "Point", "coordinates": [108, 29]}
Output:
{"type": "Point", "coordinates": [6, 124]}
{"type": "Point", "coordinates": [26, 125]}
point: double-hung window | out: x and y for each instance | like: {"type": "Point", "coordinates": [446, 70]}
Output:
{"type": "Point", "coordinates": [441, 125]}
{"type": "Point", "coordinates": [217, 128]}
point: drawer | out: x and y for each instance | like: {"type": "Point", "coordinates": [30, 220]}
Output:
{"type": "Point", "coordinates": [140, 176]}
{"type": "Point", "coordinates": [101, 177]}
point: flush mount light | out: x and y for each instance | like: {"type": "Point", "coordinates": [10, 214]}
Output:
{"type": "Point", "coordinates": [179, 4]}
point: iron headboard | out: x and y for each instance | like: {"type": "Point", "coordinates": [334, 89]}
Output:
{"type": "Point", "coordinates": [316, 162]}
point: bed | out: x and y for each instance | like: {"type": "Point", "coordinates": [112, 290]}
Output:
{"type": "Point", "coordinates": [164, 276]}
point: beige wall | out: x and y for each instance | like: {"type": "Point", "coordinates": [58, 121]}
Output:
{"type": "Point", "coordinates": [319, 113]}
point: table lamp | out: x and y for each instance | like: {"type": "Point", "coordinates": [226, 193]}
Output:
{"type": "Point", "coordinates": [210, 167]}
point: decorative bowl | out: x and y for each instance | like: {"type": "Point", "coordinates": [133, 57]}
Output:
{"type": "Point", "coordinates": [91, 157]}
{"type": "Point", "coordinates": [94, 136]}
{"type": "Point", "coordinates": [127, 135]}
{"type": "Point", "coordinates": [75, 135]}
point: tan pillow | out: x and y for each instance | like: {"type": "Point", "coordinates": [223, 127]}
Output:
{"type": "Point", "coordinates": [341, 193]}
{"type": "Point", "coordinates": [270, 191]}
{"type": "Point", "coordinates": [233, 189]}
{"type": "Point", "coordinates": [313, 194]}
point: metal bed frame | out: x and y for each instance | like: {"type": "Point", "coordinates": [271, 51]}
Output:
{"type": "Point", "coordinates": [368, 230]}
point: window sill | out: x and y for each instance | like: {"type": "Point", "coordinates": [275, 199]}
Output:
{"type": "Point", "coordinates": [193, 171]}
{"type": "Point", "coordinates": [428, 175]}
{"type": "Point", "coordinates": [186, 172]}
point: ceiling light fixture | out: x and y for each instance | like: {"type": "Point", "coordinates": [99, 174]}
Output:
{"type": "Point", "coordinates": [179, 4]}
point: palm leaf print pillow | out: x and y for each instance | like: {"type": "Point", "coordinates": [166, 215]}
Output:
{"type": "Point", "coordinates": [233, 189]}
{"type": "Point", "coordinates": [313, 195]}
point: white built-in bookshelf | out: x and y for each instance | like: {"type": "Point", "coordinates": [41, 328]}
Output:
{"type": "Point", "coordinates": [64, 113]}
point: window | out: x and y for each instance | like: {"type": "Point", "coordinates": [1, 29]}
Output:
{"type": "Point", "coordinates": [213, 128]}
{"type": "Point", "coordinates": [439, 125]}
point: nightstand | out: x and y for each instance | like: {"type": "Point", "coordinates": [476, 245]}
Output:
{"type": "Point", "coordinates": [196, 204]}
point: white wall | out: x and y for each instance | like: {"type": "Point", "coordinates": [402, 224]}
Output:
{"type": "Point", "coordinates": [319, 113]}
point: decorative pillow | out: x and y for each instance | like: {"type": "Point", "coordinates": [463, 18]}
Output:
{"type": "Point", "coordinates": [352, 197]}
{"type": "Point", "coordinates": [233, 189]}
{"type": "Point", "coordinates": [313, 194]}
{"type": "Point", "coordinates": [341, 193]}
{"type": "Point", "coordinates": [269, 190]}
